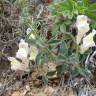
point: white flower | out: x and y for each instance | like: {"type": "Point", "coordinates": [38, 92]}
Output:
{"type": "Point", "coordinates": [23, 45]}
{"type": "Point", "coordinates": [32, 36]}
{"type": "Point", "coordinates": [23, 56]}
{"type": "Point", "coordinates": [82, 26]}
{"type": "Point", "coordinates": [33, 52]}
{"type": "Point", "coordinates": [87, 42]}
{"type": "Point", "coordinates": [22, 52]}
{"type": "Point", "coordinates": [17, 65]}
{"type": "Point", "coordinates": [81, 17]}
{"type": "Point", "coordinates": [28, 31]}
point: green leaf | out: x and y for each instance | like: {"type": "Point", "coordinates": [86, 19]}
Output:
{"type": "Point", "coordinates": [45, 80]}
{"type": "Point", "coordinates": [91, 15]}
{"type": "Point", "coordinates": [68, 22]}
{"type": "Point", "coordinates": [60, 69]}
{"type": "Point", "coordinates": [81, 71]}
{"type": "Point", "coordinates": [54, 41]}
{"type": "Point", "coordinates": [63, 48]}
{"type": "Point", "coordinates": [63, 28]}
{"type": "Point", "coordinates": [73, 58]}
{"type": "Point", "coordinates": [38, 58]}
{"type": "Point", "coordinates": [67, 35]}
{"type": "Point", "coordinates": [61, 58]}
{"type": "Point", "coordinates": [70, 2]}
{"type": "Point", "coordinates": [55, 29]}
{"type": "Point", "coordinates": [85, 2]}
{"type": "Point", "coordinates": [51, 73]}
{"type": "Point", "coordinates": [93, 25]}
{"type": "Point", "coordinates": [92, 7]}
{"type": "Point", "coordinates": [75, 72]}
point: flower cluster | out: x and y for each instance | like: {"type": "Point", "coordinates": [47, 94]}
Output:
{"type": "Point", "coordinates": [83, 27]}
{"type": "Point", "coordinates": [23, 56]}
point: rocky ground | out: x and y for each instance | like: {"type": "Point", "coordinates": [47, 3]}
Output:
{"type": "Point", "coordinates": [12, 84]}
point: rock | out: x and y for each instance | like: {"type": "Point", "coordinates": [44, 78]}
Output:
{"type": "Point", "coordinates": [27, 87]}
{"type": "Point", "coordinates": [17, 85]}
{"type": "Point", "coordinates": [48, 91]}
{"type": "Point", "coordinates": [40, 94]}
{"type": "Point", "coordinates": [16, 93]}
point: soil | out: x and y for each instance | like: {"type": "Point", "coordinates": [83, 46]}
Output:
{"type": "Point", "coordinates": [14, 84]}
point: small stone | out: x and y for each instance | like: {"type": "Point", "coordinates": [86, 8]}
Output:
{"type": "Point", "coordinates": [40, 94]}
{"type": "Point", "coordinates": [17, 85]}
{"type": "Point", "coordinates": [27, 87]}
{"type": "Point", "coordinates": [48, 91]}
{"type": "Point", "coordinates": [16, 93]}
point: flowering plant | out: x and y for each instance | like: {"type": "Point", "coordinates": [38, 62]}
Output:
{"type": "Point", "coordinates": [68, 44]}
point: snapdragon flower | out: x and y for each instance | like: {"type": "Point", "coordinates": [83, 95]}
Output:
{"type": "Point", "coordinates": [87, 42]}
{"type": "Point", "coordinates": [33, 52]}
{"type": "Point", "coordinates": [23, 45]}
{"type": "Point", "coordinates": [23, 56]}
{"type": "Point", "coordinates": [82, 27]}
{"type": "Point", "coordinates": [17, 65]}
{"type": "Point", "coordinates": [22, 52]}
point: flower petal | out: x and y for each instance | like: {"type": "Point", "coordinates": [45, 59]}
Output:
{"type": "Point", "coordinates": [22, 54]}
{"type": "Point", "coordinates": [16, 65]}
{"type": "Point", "coordinates": [23, 45]}
{"type": "Point", "coordinates": [81, 18]}
{"type": "Point", "coordinates": [33, 53]}
{"type": "Point", "coordinates": [88, 42]}
{"type": "Point", "coordinates": [82, 26]}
